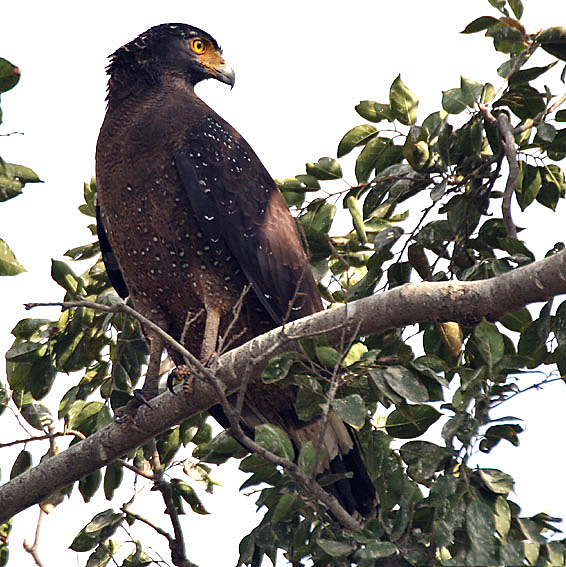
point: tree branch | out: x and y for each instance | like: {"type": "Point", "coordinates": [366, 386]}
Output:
{"type": "Point", "coordinates": [508, 141]}
{"type": "Point", "coordinates": [465, 302]}
{"type": "Point", "coordinates": [32, 549]}
{"type": "Point", "coordinates": [177, 543]}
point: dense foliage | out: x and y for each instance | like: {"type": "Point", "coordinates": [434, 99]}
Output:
{"type": "Point", "coordinates": [432, 203]}
{"type": "Point", "coordinates": [12, 177]}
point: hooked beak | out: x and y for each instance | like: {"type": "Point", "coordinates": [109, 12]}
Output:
{"type": "Point", "coordinates": [225, 74]}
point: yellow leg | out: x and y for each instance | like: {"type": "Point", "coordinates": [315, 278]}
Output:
{"type": "Point", "coordinates": [150, 386]}
{"type": "Point", "coordinates": [210, 338]}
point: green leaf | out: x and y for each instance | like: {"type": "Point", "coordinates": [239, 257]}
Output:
{"type": "Point", "coordinates": [25, 174]}
{"type": "Point", "coordinates": [9, 265]}
{"type": "Point", "coordinates": [531, 530]}
{"type": "Point", "coordinates": [308, 182]}
{"type": "Point", "coordinates": [327, 356]}
{"type": "Point", "coordinates": [334, 548]}
{"type": "Point", "coordinates": [525, 101]}
{"type": "Point", "coordinates": [307, 457]}
{"type": "Point", "coordinates": [374, 111]}
{"type": "Point", "coordinates": [376, 550]}
{"type": "Point", "coordinates": [352, 410]}
{"type": "Point", "coordinates": [471, 91]}
{"type": "Point", "coordinates": [84, 417]}
{"type": "Point", "coordinates": [28, 328]}
{"type": "Point", "coordinates": [308, 404]}
{"type": "Point", "coordinates": [368, 158]}
{"type": "Point", "coordinates": [553, 40]}
{"type": "Point", "coordinates": [299, 184]}
{"type": "Point", "coordinates": [318, 217]}
{"type": "Point", "coordinates": [100, 528]}
{"type": "Point", "coordinates": [357, 350]}
{"type": "Point", "coordinates": [403, 102]}
{"type": "Point", "coordinates": [352, 204]}
{"type": "Point", "coordinates": [410, 421]}
{"type": "Point", "coordinates": [386, 238]}
{"type": "Point", "coordinates": [559, 324]}
{"type": "Point", "coordinates": [274, 439]}
{"type": "Point", "coordinates": [406, 383]}
{"type": "Point", "coordinates": [84, 252]}
{"type": "Point", "coordinates": [508, 36]}
{"type": "Point", "coordinates": [502, 516]}
{"type": "Point", "coordinates": [480, 526]}
{"type": "Point", "coordinates": [530, 180]}
{"type": "Point", "coordinates": [527, 75]}
{"type": "Point", "coordinates": [138, 558]}
{"type": "Point", "coordinates": [278, 367]}
{"type": "Point", "coordinates": [372, 530]}
{"type": "Point", "coordinates": [357, 136]}
{"type": "Point", "coordinates": [497, 481]}
{"type": "Point", "coordinates": [88, 485]}
{"type": "Point", "coordinates": [553, 186]}
{"type": "Point", "coordinates": [168, 444]}
{"type": "Point", "coordinates": [325, 168]}
{"type": "Point", "coordinates": [512, 553]}
{"type": "Point", "coordinates": [489, 342]}
{"type": "Point", "coordinates": [21, 464]}
{"type": "Point", "coordinates": [416, 149]}
{"type": "Point", "coordinates": [292, 198]}
{"type": "Point", "coordinates": [24, 352]}
{"type": "Point", "coordinates": [112, 479]}
{"type": "Point", "coordinates": [9, 75]}
{"type": "Point", "coordinates": [103, 554]}
{"type": "Point", "coordinates": [285, 508]}
{"type": "Point", "coordinates": [423, 459]}
{"type": "Point", "coordinates": [480, 24]}
{"type": "Point", "coordinates": [453, 101]}
{"type": "Point", "coordinates": [517, 7]}
{"type": "Point", "coordinates": [518, 320]}
{"type": "Point", "coordinates": [509, 432]}
{"type": "Point", "coordinates": [37, 415]}
{"type": "Point", "coordinates": [83, 542]}
{"type": "Point", "coordinates": [533, 343]}
{"type": "Point", "coordinates": [189, 495]}
{"type": "Point", "coordinates": [65, 277]}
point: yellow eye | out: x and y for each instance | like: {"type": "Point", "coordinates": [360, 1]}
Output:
{"type": "Point", "coordinates": [198, 46]}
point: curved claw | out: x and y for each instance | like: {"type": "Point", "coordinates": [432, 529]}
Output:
{"type": "Point", "coordinates": [170, 380]}
{"type": "Point", "coordinates": [138, 395]}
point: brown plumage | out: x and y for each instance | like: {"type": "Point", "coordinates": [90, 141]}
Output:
{"type": "Point", "coordinates": [189, 218]}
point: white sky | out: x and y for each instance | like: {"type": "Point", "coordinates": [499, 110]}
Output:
{"type": "Point", "coordinates": [301, 67]}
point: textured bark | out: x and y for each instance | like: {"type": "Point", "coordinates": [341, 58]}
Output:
{"type": "Point", "coordinates": [465, 302]}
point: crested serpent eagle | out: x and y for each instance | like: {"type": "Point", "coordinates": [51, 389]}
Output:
{"type": "Point", "coordinates": [191, 224]}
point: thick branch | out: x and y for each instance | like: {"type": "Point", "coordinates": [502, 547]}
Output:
{"type": "Point", "coordinates": [466, 302]}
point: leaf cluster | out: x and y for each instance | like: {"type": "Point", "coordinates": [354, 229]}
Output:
{"type": "Point", "coordinates": [12, 177]}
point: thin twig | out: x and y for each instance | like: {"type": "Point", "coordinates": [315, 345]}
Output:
{"type": "Point", "coordinates": [49, 436]}
{"type": "Point", "coordinates": [135, 469]}
{"type": "Point", "coordinates": [33, 548]}
{"type": "Point", "coordinates": [539, 118]}
{"type": "Point", "coordinates": [236, 310]}
{"type": "Point", "coordinates": [536, 386]}
{"type": "Point", "coordinates": [147, 522]}
{"type": "Point", "coordinates": [334, 383]}
{"type": "Point", "coordinates": [520, 60]}
{"type": "Point", "coordinates": [510, 148]}
{"type": "Point", "coordinates": [177, 543]}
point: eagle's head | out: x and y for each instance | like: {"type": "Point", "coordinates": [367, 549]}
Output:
{"type": "Point", "coordinates": [177, 49]}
